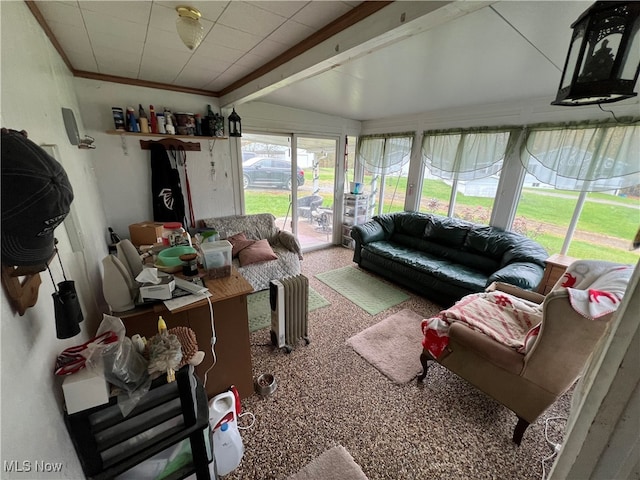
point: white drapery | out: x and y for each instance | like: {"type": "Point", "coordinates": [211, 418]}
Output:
{"type": "Point", "coordinates": [464, 155]}
{"type": "Point", "coordinates": [385, 154]}
{"type": "Point", "coordinates": [584, 158]}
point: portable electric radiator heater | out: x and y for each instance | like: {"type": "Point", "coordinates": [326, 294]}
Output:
{"type": "Point", "coordinates": [289, 299]}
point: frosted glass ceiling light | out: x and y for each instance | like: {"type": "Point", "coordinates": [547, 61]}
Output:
{"type": "Point", "coordinates": [189, 27]}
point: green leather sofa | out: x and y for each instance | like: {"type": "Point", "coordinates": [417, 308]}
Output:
{"type": "Point", "coordinates": [444, 258]}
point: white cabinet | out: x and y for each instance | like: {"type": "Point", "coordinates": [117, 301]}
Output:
{"type": "Point", "coordinates": [355, 212]}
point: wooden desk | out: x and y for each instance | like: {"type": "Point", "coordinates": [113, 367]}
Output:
{"type": "Point", "coordinates": [556, 266]}
{"type": "Point", "coordinates": [229, 300]}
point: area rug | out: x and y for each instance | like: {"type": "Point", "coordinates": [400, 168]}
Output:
{"type": "Point", "coordinates": [335, 463]}
{"type": "Point", "coordinates": [260, 311]}
{"type": "Point", "coordinates": [393, 345]}
{"type": "Point", "coordinates": [366, 291]}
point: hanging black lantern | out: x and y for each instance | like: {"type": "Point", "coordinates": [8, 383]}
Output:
{"type": "Point", "coordinates": [604, 55]}
{"type": "Point", "coordinates": [235, 124]}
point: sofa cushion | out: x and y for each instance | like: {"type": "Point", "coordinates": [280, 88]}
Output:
{"type": "Point", "coordinates": [490, 241]}
{"type": "Point", "coordinates": [525, 250]}
{"type": "Point", "coordinates": [455, 255]}
{"type": "Point", "coordinates": [255, 227]}
{"type": "Point", "coordinates": [258, 251]}
{"type": "Point", "coordinates": [260, 274]}
{"type": "Point", "coordinates": [387, 223]}
{"type": "Point", "coordinates": [447, 231]}
{"type": "Point", "coordinates": [446, 270]}
{"type": "Point", "coordinates": [410, 223]}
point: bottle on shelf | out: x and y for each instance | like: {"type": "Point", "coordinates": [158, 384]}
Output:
{"type": "Point", "coordinates": [198, 125]}
{"type": "Point", "coordinates": [153, 120]}
{"type": "Point", "coordinates": [132, 121]}
{"type": "Point", "coordinates": [168, 123]}
{"type": "Point", "coordinates": [142, 118]}
{"type": "Point", "coordinates": [161, 123]}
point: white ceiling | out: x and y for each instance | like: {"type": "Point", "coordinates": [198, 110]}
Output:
{"type": "Point", "coordinates": [447, 54]}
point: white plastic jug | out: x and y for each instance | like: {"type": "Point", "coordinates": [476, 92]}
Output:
{"type": "Point", "coordinates": [227, 447]}
{"type": "Point", "coordinates": [222, 409]}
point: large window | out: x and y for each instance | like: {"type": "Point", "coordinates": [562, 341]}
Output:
{"type": "Point", "coordinates": [385, 159]}
{"type": "Point", "coordinates": [462, 172]}
{"type": "Point", "coordinates": [574, 188]}
{"type": "Point", "coordinates": [581, 192]}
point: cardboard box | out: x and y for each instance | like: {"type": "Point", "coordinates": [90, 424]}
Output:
{"type": "Point", "coordinates": [217, 258]}
{"type": "Point", "coordinates": [84, 389]}
{"type": "Point", "coordinates": [145, 233]}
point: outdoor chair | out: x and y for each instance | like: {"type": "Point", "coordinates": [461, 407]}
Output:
{"type": "Point", "coordinates": [521, 348]}
{"type": "Point", "coordinates": [308, 205]}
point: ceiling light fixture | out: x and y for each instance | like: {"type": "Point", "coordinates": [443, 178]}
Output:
{"type": "Point", "coordinates": [604, 55]}
{"type": "Point", "coordinates": [189, 27]}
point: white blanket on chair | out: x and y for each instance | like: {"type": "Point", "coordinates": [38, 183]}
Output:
{"type": "Point", "coordinates": [500, 316]}
{"type": "Point", "coordinates": [596, 287]}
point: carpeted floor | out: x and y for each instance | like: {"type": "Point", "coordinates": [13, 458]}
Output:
{"type": "Point", "coordinates": [329, 395]}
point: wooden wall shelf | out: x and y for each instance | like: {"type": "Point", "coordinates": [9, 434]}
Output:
{"type": "Point", "coordinates": [163, 135]}
{"type": "Point", "coordinates": [171, 143]}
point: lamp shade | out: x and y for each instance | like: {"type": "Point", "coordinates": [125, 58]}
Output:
{"type": "Point", "coordinates": [603, 61]}
{"type": "Point", "coordinates": [189, 27]}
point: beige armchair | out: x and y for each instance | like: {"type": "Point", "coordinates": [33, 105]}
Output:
{"type": "Point", "coordinates": [526, 381]}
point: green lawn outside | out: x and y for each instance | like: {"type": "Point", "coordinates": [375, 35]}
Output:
{"type": "Point", "coordinates": [534, 208]}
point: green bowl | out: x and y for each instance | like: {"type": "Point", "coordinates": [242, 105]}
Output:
{"type": "Point", "coordinates": [170, 257]}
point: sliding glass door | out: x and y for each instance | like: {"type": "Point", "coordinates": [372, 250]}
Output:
{"type": "Point", "coordinates": [267, 179]}
{"type": "Point", "coordinates": [293, 178]}
{"type": "Point", "coordinates": [317, 157]}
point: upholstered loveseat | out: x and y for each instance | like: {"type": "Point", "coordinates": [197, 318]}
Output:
{"type": "Point", "coordinates": [446, 258]}
{"type": "Point", "coordinates": [261, 226]}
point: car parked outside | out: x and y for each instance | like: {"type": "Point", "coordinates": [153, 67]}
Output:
{"type": "Point", "coordinates": [272, 172]}
{"type": "Point", "coordinates": [248, 155]}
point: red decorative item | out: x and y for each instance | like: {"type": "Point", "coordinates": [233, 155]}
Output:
{"type": "Point", "coordinates": [502, 301]}
{"type": "Point", "coordinates": [569, 281]}
{"type": "Point", "coordinates": [594, 296]}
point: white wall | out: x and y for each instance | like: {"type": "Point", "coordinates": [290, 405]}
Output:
{"type": "Point", "coordinates": [269, 118]}
{"type": "Point", "coordinates": [526, 112]}
{"type": "Point", "coordinates": [124, 179]}
{"type": "Point", "coordinates": [35, 85]}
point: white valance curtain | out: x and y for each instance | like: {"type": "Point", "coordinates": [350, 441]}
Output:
{"type": "Point", "coordinates": [465, 155]}
{"type": "Point", "coordinates": [385, 154]}
{"type": "Point", "coordinates": [584, 157]}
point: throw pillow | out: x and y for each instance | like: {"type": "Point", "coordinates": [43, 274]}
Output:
{"type": "Point", "coordinates": [259, 251]}
{"type": "Point", "coordinates": [238, 242]}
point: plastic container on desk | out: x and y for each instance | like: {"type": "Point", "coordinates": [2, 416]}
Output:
{"type": "Point", "coordinates": [216, 258]}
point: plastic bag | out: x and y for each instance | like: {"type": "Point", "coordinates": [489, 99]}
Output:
{"type": "Point", "coordinates": [120, 364]}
